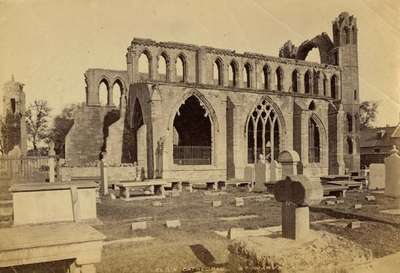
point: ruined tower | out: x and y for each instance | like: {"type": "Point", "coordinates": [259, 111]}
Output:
{"type": "Point", "coordinates": [13, 109]}
{"type": "Point", "coordinates": [346, 56]}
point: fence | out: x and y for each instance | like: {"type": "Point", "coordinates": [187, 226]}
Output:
{"type": "Point", "coordinates": [24, 169]}
{"type": "Point", "coordinates": [192, 155]}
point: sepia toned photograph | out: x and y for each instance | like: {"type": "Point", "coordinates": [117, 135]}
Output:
{"type": "Point", "coordinates": [199, 136]}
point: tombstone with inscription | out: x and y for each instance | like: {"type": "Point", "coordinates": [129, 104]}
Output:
{"type": "Point", "coordinates": [276, 171]}
{"type": "Point", "coordinates": [392, 170]}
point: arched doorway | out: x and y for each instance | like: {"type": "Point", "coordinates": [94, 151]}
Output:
{"type": "Point", "coordinates": [192, 137]}
{"type": "Point", "coordinates": [263, 133]}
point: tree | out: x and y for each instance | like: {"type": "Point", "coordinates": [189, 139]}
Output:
{"type": "Point", "coordinates": [10, 132]}
{"type": "Point", "coordinates": [62, 123]}
{"type": "Point", "coordinates": [36, 118]}
{"type": "Point", "coordinates": [368, 112]}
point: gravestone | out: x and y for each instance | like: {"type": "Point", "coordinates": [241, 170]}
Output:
{"type": "Point", "coordinates": [289, 160]}
{"type": "Point", "coordinates": [392, 170]}
{"type": "Point", "coordinates": [276, 171]}
{"type": "Point", "coordinates": [239, 202]}
{"type": "Point", "coordinates": [138, 225]}
{"type": "Point", "coordinates": [297, 193]}
{"type": "Point", "coordinates": [376, 179]}
{"type": "Point", "coordinates": [216, 204]}
{"type": "Point", "coordinates": [261, 175]}
{"type": "Point", "coordinates": [173, 223]}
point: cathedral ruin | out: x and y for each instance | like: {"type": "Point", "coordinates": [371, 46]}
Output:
{"type": "Point", "coordinates": [188, 111]}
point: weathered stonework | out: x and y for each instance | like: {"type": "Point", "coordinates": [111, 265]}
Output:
{"type": "Point", "coordinates": [308, 102]}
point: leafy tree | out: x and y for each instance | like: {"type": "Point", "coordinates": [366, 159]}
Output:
{"type": "Point", "coordinates": [10, 132]}
{"type": "Point", "coordinates": [368, 112]}
{"type": "Point", "coordinates": [36, 118]}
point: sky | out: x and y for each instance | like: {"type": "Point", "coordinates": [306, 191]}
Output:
{"type": "Point", "coordinates": [49, 44]}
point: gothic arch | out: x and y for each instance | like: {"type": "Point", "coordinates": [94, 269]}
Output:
{"type": "Point", "coordinates": [322, 136]}
{"type": "Point", "coordinates": [183, 58]}
{"type": "Point", "coordinates": [219, 64]}
{"type": "Point", "coordinates": [264, 113]}
{"type": "Point", "coordinates": [203, 101]}
{"type": "Point", "coordinates": [322, 42]}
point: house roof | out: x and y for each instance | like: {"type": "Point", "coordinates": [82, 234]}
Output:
{"type": "Point", "coordinates": [373, 137]}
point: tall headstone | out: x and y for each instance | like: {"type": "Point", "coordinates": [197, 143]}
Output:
{"type": "Point", "coordinates": [261, 175]}
{"type": "Point", "coordinates": [376, 177]}
{"type": "Point", "coordinates": [392, 170]}
{"type": "Point", "coordinates": [276, 171]}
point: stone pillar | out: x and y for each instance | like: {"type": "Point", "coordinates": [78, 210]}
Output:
{"type": "Point", "coordinates": [52, 165]}
{"type": "Point", "coordinates": [110, 101]}
{"type": "Point", "coordinates": [104, 174]}
{"type": "Point", "coordinates": [300, 83]}
{"type": "Point", "coordinates": [153, 63]}
{"type": "Point", "coordinates": [202, 77]}
{"type": "Point", "coordinates": [340, 140]}
{"type": "Point", "coordinates": [297, 193]}
{"type": "Point", "coordinates": [305, 117]}
{"type": "Point", "coordinates": [295, 221]}
{"type": "Point", "coordinates": [129, 65]}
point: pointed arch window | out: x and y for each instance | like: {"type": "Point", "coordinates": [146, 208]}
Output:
{"type": "Point", "coordinates": [263, 133]}
{"type": "Point", "coordinates": [144, 68]}
{"type": "Point", "coordinates": [307, 82]}
{"type": "Point", "coordinates": [180, 67]}
{"type": "Point", "coordinates": [295, 76]}
{"type": "Point", "coordinates": [266, 72]}
{"type": "Point", "coordinates": [218, 72]}
{"type": "Point", "coordinates": [247, 75]}
{"type": "Point", "coordinates": [279, 79]}
{"type": "Point", "coordinates": [232, 74]}
{"type": "Point", "coordinates": [314, 149]}
{"type": "Point", "coordinates": [349, 145]}
{"type": "Point", "coordinates": [334, 87]}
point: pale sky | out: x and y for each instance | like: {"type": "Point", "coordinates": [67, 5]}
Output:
{"type": "Point", "coordinates": [49, 44]}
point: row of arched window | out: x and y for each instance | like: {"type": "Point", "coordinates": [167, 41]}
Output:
{"type": "Point", "coordinates": [178, 68]}
{"type": "Point", "coordinates": [164, 68]}
{"type": "Point", "coordinates": [110, 94]}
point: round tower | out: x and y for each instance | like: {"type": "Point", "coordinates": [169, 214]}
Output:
{"type": "Point", "coordinates": [13, 108]}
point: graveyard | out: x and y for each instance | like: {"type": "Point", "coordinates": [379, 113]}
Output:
{"type": "Point", "coordinates": [197, 159]}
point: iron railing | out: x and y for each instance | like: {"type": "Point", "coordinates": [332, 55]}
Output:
{"type": "Point", "coordinates": [25, 169]}
{"type": "Point", "coordinates": [192, 155]}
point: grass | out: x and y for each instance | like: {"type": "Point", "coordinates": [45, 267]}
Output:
{"type": "Point", "coordinates": [195, 244]}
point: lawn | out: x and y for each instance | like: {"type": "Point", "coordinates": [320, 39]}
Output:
{"type": "Point", "coordinates": [196, 245]}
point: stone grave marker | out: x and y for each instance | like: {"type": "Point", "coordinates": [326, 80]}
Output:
{"type": "Point", "coordinates": [392, 171]}
{"type": "Point", "coordinates": [276, 171]}
{"type": "Point", "coordinates": [370, 198]}
{"type": "Point", "coordinates": [157, 204]}
{"type": "Point", "coordinates": [354, 224]}
{"type": "Point", "coordinates": [175, 193]}
{"type": "Point", "coordinates": [261, 175]}
{"type": "Point", "coordinates": [339, 201]}
{"type": "Point", "coordinates": [376, 178]}
{"type": "Point", "coordinates": [239, 202]}
{"type": "Point", "coordinates": [138, 225]}
{"type": "Point", "coordinates": [297, 193]}
{"type": "Point", "coordinates": [357, 206]}
{"type": "Point", "coordinates": [234, 233]}
{"type": "Point", "coordinates": [173, 223]}
{"type": "Point", "coordinates": [216, 204]}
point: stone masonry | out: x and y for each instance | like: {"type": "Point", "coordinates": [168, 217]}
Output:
{"type": "Point", "coordinates": [247, 106]}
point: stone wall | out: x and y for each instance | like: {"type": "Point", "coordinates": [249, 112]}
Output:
{"type": "Point", "coordinates": [85, 140]}
{"type": "Point", "coordinates": [160, 103]}
{"type": "Point", "coordinates": [114, 173]}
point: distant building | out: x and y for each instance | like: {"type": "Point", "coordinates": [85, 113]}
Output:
{"type": "Point", "coordinates": [376, 143]}
{"type": "Point", "coordinates": [13, 108]}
